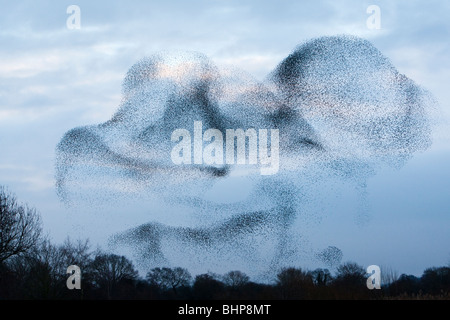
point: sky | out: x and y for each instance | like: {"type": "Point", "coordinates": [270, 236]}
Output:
{"type": "Point", "coordinates": [53, 79]}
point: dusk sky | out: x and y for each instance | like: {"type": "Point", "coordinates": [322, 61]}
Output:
{"type": "Point", "coordinates": [53, 79]}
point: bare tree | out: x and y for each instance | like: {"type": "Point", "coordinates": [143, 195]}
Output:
{"type": "Point", "coordinates": [388, 276]}
{"type": "Point", "coordinates": [351, 272]}
{"type": "Point", "coordinates": [167, 278]}
{"type": "Point", "coordinates": [436, 280]}
{"type": "Point", "coordinates": [40, 271]}
{"type": "Point", "coordinates": [235, 279]}
{"type": "Point", "coordinates": [206, 287]}
{"type": "Point", "coordinates": [109, 270]}
{"type": "Point", "coordinates": [321, 277]}
{"type": "Point", "coordinates": [350, 281]}
{"type": "Point", "coordinates": [294, 283]}
{"type": "Point", "coordinates": [20, 226]}
{"type": "Point", "coordinates": [77, 253]}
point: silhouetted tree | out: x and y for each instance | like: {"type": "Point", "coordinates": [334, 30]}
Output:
{"type": "Point", "coordinates": [41, 272]}
{"type": "Point", "coordinates": [34, 268]}
{"type": "Point", "coordinates": [235, 279]}
{"type": "Point", "coordinates": [110, 271]}
{"type": "Point", "coordinates": [235, 284]}
{"type": "Point", "coordinates": [254, 291]}
{"type": "Point", "coordinates": [388, 276]}
{"type": "Point", "coordinates": [405, 285]}
{"type": "Point", "coordinates": [436, 280]}
{"type": "Point", "coordinates": [351, 273]}
{"type": "Point", "coordinates": [294, 283]}
{"type": "Point", "coordinates": [350, 281]}
{"type": "Point", "coordinates": [9, 288]}
{"type": "Point", "coordinates": [20, 226]}
{"type": "Point", "coordinates": [321, 277]}
{"type": "Point", "coordinates": [207, 287]}
{"type": "Point", "coordinates": [167, 278]}
{"type": "Point", "coordinates": [78, 253]}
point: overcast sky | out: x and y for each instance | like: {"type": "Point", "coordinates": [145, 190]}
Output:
{"type": "Point", "coordinates": [53, 79]}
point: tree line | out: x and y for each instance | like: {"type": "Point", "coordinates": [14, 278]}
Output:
{"type": "Point", "coordinates": [31, 267]}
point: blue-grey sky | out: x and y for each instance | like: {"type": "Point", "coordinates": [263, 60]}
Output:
{"type": "Point", "coordinates": [53, 79]}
